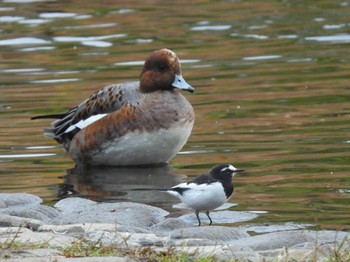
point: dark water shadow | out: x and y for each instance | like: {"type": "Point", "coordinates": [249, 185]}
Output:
{"type": "Point", "coordinates": [109, 184]}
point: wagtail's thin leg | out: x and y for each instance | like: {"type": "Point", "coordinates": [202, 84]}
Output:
{"type": "Point", "coordinates": [197, 215]}
{"type": "Point", "coordinates": [207, 213]}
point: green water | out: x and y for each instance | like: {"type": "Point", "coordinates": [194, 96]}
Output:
{"type": "Point", "coordinates": [272, 97]}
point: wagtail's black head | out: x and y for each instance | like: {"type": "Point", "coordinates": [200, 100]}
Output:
{"type": "Point", "coordinates": [224, 171]}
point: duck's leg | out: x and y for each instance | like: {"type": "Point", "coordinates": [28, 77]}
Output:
{"type": "Point", "coordinates": [197, 215]}
{"type": "Point", "coordinates": [207, 213]}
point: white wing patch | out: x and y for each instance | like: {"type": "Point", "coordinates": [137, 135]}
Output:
{"type": "Point", "coordinates": [84, 123]}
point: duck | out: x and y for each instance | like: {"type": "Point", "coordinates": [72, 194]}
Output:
{"type": "Point", "coordinates": [145, 122]}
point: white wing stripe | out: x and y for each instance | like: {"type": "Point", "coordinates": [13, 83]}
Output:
{"type": "Point", "coordinates": [84, 123]}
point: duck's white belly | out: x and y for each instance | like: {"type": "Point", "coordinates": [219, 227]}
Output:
{"type": "Point", "coordinates": [142, 148]}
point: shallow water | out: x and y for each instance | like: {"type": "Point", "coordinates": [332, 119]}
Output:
{"type": "Point", "coordinates": [272, 97]}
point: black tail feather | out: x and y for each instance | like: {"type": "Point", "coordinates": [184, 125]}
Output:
{"type": "Point", "coordinates": [55, 116]}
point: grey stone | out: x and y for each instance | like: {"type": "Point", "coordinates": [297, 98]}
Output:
{"type": "Point", "coordinates": [18, 199]}
{"type": "Point", "coordinates": [78, 228]}
{"type": "Point", "coordinates": [107, 238]}
{"type": "Point", "coordinates": [132, 229]}
{"type": "Point", "coordinates": [236, 249]}
{"type": "Point", "coordinates": [75, 259]}
{"type": "Point", "coordinates": [124, 240]}
{"type": "Point", "coordinates": [132, 226]}
{"type": "Point", "coordinates": [24, 235]}
{"type": "Point", "coordinates": [77, 210]}
{"type": "Point", "coordinates": [169, 224]}
{"type": "Point", "coordinates": [220, 217]}
{"type": "Point", "coordinates": [34, 211]}
{"type": "Point", "coordinates": [216, 233]}
{"type": "Point", "coordinates": [220, 252]}
{"type": "Point", "coordinates": [243, 256]}
{"type": "Point", "coordinates": [260, 229]}
{"type": "Point", "coordinates": [40, 252]}
{"type": "Point", "coordinates": [290, 239]}
{"type": "Point", "coordinates": [26, 206]}
{"type": "Point", "coordinates": [190, 242]}
{"type": "Point", "coordinates": [73, 204]}
{"type": "Point", "coordinates": [13, 221]}
{"type": "Point", "coordinates": [2, 204]}
{"type": "Point", "coordinates": [145, 240]}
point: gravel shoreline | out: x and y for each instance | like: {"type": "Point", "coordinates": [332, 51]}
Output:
{"type": "Point", "coordinates": [133, 226]}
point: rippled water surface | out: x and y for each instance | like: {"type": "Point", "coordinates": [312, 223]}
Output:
{"type": "Point", "coordinates": [272, 97]}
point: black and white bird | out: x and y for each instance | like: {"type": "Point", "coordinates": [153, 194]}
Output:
{"type": "Point", "coordinates": [207, 191]}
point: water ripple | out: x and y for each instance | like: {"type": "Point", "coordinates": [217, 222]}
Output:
{"type": "Point", "coordinates": [341, 38]}
{"type": "Point", "coordinates": [24, 41]}
{"type": "Point", "coordinates": [51, 81]}
{"type": "Point", "coordinates": [262, 57]}
{"type": "Point", "coordinates": [25, 155]}
{"type": "Point", "coordinates": [56, 15]}
{"type": "Point", "coordinates": [211, 27]}
{"type": "Point", "coordinates": [10, 19]}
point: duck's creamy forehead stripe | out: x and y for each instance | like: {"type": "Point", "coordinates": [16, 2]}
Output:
{"type": "Point", "coordinates": [172, 55]}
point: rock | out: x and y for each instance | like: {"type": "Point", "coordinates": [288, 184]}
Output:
{"type": "Point", "coordinates": [24, 235]}
{"type": "Point", "coordinates": [73, 204]}
{"type": "Point", "coordinates": [220, 217]}
{"type": "Point", "coordinates": [132, 226]}
{"type": "Point", "coordinates": [78, 210]}
{"type": "Point", "coordinates": [124, 240]}
{"type": "Point", "coordinates": [107, 238]}
{"type": "Point", "coordinates": [2, 204]}
{"type": "Point", "coordinates": [18, 199]}
{"type": "Point", "coordinates": [219, 252]}
{"type": "Point", "coordinates": [289, 239]}
{"type": "Point", "coordinates": [40, 252]}
{"type": "Point", "coordinates": [79, 230]}
{"type": "Point", "coordinates": [274, 227]}
{"type": "Point", "coordinates": [215, 233]}
{"type": "Point", "coordinates": [38, 212]}
{"type": "Point", "coordinates": [169, 224]}
{"type": "Point", "coordinates": [193, 242]}
{"type": "Point", "coordinates": [132, 229]}
{"type": "Point", "coordinates": [75, 259]}
{"type": "Point", "coordinates": [13, 221]}
{"type": "Point", "coordinates": [26, 206]}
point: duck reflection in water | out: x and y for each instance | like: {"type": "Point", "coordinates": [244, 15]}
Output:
{"type": "Point", "coordinates": [109, 184]}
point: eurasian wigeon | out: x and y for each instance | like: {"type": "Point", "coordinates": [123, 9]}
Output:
{"type": "Point", "coordinates": [133, 123]}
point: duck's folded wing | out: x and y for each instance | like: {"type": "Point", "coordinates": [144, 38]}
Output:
{"type": "Point", "coordinates": [109, 99]}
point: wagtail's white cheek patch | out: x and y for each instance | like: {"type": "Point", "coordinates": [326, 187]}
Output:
{"type": "Point", "coordinates": [229, 167]}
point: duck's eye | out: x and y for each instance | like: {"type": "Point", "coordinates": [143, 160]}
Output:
{"type": "Point", "coordinates": [162, 67]}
